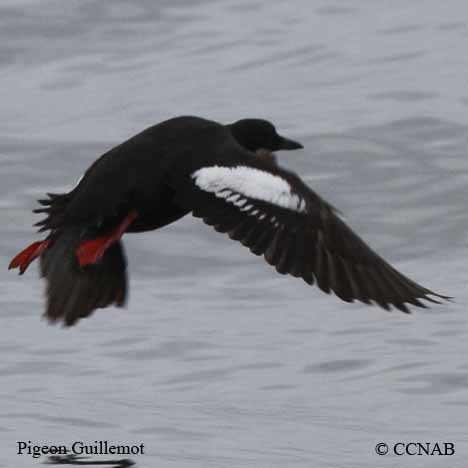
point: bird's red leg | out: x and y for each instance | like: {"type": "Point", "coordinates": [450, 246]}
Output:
{"type": "Point", "coordinates": [26, 256]}
{"type": "Point", "coordinates": [91, 251]}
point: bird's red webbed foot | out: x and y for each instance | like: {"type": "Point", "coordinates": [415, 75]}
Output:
{"type": "Point", "coordinates": [92, 250]}
{"type": "Point", "coordinates": [28, 255]}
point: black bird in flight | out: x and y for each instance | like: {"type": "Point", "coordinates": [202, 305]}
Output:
{"type": "Point", "coordinates": [224, 174]}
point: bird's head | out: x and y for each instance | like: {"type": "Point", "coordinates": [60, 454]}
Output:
{"type": "Point", "coordinates": [255, 134]}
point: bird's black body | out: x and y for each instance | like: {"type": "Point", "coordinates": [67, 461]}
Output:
{"type": "Point", "coordinates": [224, 174]}
{"type": "Point", "coordinates": [138, 172]}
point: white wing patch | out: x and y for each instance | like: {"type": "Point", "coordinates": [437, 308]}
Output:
{"type": "Point", "coordinates": [231, 183]}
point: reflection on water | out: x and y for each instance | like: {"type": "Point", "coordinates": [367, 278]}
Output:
{"type": "Point", "coordinates": [218, 361]}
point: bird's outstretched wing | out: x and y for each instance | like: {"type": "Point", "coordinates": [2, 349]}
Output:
{"type": "Point", "coordinates": [273, 213]}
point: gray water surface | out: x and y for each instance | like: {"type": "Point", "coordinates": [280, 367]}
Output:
{"type": "Point", "coordinates": [218, 361]}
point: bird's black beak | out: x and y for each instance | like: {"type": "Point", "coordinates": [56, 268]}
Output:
{"type": "Point", "coordinates": [287, 144]}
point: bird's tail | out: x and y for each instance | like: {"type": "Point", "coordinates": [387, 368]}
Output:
{"type": "Point", "coordinates": [75, 291]}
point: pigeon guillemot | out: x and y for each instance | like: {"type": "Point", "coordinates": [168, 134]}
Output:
{"type": "Point", "coordinates": [224, 174]}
